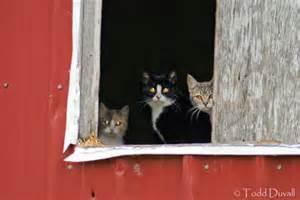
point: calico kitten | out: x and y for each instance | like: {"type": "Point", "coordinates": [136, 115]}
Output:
{"type": "Point", "coordinates": [160, 93]}
{"type": "Point", "coordinates": [113, 125]}
{"type": "Point", "coordinates": [201, 95]}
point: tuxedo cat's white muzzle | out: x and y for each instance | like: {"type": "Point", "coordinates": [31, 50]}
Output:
{"type": "Point", "coordinates": [156, 97]}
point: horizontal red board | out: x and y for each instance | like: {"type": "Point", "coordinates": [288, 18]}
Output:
{"type": "Point", "coordinates": [191, 177]}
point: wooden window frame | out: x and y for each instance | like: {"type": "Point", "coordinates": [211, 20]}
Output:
{"type": "Point", "coordinates": [82, 106]}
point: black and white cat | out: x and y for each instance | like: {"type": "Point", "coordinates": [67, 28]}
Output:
{"type": "Point", "coordinates": [169, 110]}
{"type": "Point", "coordinates": [161, 94]}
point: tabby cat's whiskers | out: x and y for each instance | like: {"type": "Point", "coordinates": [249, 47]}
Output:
{"type": "Point", "coordinates": [194, 113]}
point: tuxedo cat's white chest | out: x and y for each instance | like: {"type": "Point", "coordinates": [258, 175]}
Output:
{"type": "Point", "coordinates": [157, 108]}
{"type": "Point", "coordinates": [160, 97]}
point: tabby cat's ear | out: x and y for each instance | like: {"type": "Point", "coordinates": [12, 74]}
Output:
{"type": "Point", "coordinates": [211, 81]}
{"type": "Point", "coordinates": [172, 77]}
{"type": "Point", "coordinates": [146, 77]}
{"type": "Point", "coordinates": [125, 110]}
{"type": "Point", "coordinates": [191, 81]}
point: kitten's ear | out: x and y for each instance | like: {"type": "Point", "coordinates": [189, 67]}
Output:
{"type": "Point", "coordinates": [103, 108]}
{"type": "Point", "coordinates": [125, 110]}
{"type": "Point", "coordinates": [191, 81]}
{"type": "Point", "coordinates": [146, 78]}
{"type": "Point", "coordinates": [172, 77]}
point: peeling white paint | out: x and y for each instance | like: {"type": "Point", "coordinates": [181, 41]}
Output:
{"type": "Point", "coordinates": [73, 104]}
{"type": "Point", "coordinates": [137, 169]}
{"type": "Point", "coordinates": [91, 154]}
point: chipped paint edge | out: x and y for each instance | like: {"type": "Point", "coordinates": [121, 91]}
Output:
{"type": "Point", "coordinates": [102, 153]}
{"type": "Point", "coordinates": [73, 102]}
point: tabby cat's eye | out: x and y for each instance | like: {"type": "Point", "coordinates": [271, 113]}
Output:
{"type": "Point", "coordinates": [152, 90]}
{"type": "Point", "coordinates": [165, 90]}
{"type": "Point", "coordinates": [118, 123]}
{"type": "Point", "coordinates": [198, 96]}
{"type": "Point", "coordinates": [106, 122]}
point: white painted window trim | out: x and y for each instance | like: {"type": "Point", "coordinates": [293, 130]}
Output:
{"type": "Point", "coordinates": [73, 102]}
{"type": "Point", "coordinates": [90, 154]}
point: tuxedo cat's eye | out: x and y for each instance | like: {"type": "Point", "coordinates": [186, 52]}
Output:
{"type": "Point", "coordinates": [152, 90]}
{"type": "Point", "coordinates": [118, 123]}
{"type": "Point", "coordinates": [106, 122]}
{"type": "Point", "coordinates": [165, 90]}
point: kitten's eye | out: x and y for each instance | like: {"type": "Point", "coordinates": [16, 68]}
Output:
{"type": "Point", "coordinates": [152, 90]}
{"type": "Point", "coordinates": [210, 96]}
{"type": "Point", "coordinates": [165, 90]}
{"type": "Point", "coordinates": [106, 122]}
{"type": "Point", "coordinates": [118, 123]}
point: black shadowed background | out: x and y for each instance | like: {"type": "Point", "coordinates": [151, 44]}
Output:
{"type": "Point", "coordinates": [156, 36]}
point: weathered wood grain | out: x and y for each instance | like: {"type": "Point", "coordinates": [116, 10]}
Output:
{"type": "Point", "coordinates": [90, 72]}
{"type": "Point", "coordinates": [257, 71]}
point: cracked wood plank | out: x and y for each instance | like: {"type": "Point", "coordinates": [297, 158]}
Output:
{"type": "Point", "coordinates": [90, 73]}
{"type": "Point", "coordinates": [257, 71]}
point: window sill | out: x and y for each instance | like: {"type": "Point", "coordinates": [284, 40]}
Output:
{"type": "Point", "coordinates": [91, 154]}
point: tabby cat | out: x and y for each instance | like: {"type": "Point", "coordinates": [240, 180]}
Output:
{"type": "Point", "coordinates": [201, 95]}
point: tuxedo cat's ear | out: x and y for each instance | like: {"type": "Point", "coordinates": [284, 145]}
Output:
{"type": "Point", "coordinates": [191, 81]}
{"type": "Point", "coordinates": [172, 77]}
{"type": "Point", "coordinates": [125, 110]}
{"type": "Point", "coordinates": [146, 78]}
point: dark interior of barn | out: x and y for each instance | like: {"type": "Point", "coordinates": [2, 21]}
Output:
{"type": "Point", "coordinates": [155, 36]}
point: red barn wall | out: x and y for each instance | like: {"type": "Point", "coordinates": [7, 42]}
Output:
{"type": "Point", "coordinates": [35, 57]}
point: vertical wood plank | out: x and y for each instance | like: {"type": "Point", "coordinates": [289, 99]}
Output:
{"type": "Point", "coordinates": [90, 73]}
{"type": "Point", "coordinates": [257, 71]}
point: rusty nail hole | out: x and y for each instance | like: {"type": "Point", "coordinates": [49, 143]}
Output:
{"type": "Point", "coordinates": [93, 195]}
{"type": "Point", "coordinates": [206, 166]}
{"type": "Point", "coordinates": [69, 167]}
{"type": "Point", "coordinates": [5, 85]}
{"type": "Point", "coordinates": [279, 166]}
{"type": "Point", "coordinates": [59, 86]}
